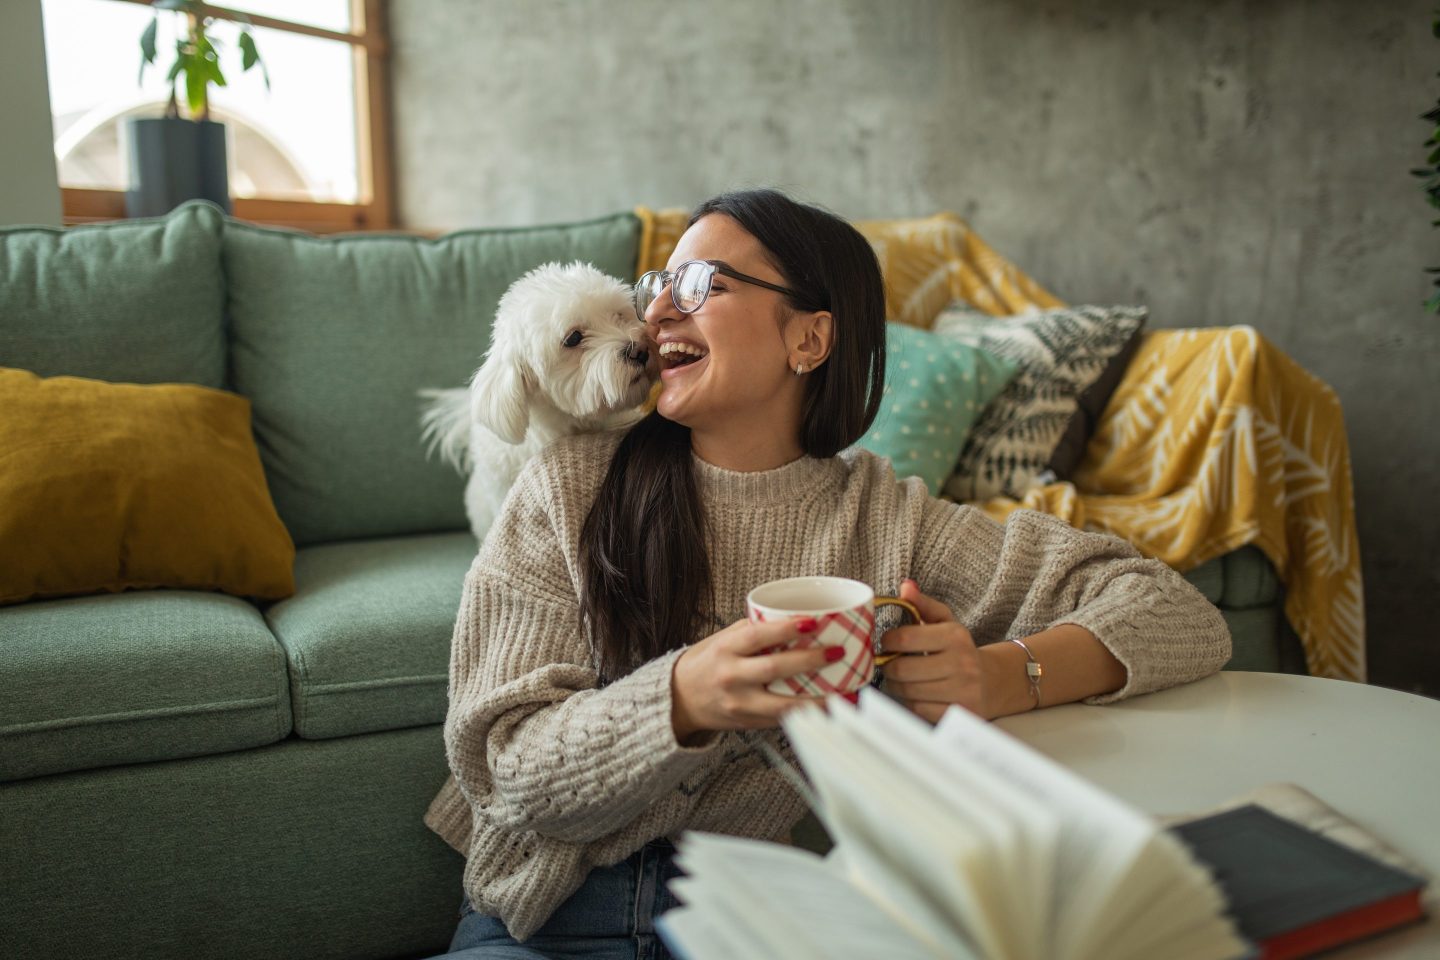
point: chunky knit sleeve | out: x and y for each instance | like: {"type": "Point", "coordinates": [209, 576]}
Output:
{"type": "Point", "coordinates": [533, 741]}
{"type": "Point", "coordinates": [1036, 572]}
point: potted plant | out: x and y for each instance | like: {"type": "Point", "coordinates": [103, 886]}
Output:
{"type": "Point", "coordinates": [175, 158]}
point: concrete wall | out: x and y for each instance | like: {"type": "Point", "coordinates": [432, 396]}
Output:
{"type": "Point", "coordinates": [1228, 162]}
{"type": "Point", "coordinates": [28, 189]}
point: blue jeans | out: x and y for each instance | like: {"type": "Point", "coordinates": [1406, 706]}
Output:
{"type": "Point", "coordinates": [611, 917]}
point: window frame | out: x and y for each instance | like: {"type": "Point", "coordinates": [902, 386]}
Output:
{"type": "Point", "coordinates": [370, 46]}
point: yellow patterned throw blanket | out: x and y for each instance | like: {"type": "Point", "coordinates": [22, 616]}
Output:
{"type": "Point", "coordinates": [1213, 440]}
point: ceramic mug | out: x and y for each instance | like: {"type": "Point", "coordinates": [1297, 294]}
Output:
{"type": "Point", "coordinates": [844, 612]}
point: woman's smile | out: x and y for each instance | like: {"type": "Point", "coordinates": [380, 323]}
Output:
{"type": "Point", "coordinates": [678, 356]}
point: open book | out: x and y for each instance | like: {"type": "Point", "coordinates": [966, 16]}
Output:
{"type": "Point", "coordinates": [956, 841]}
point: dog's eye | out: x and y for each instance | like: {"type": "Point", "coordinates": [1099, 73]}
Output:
{"type": "Point", "coordinates": [573, 339]}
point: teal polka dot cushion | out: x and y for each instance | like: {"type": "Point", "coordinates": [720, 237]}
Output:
{"type": "Point", "coordinates": [935, 390]}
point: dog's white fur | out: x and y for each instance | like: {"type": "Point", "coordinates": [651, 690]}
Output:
{"type": "Point", "coordinates": [532, 388]}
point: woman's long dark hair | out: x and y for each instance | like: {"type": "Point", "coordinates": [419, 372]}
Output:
{"type": "Point", "coordinates": [646, 576]}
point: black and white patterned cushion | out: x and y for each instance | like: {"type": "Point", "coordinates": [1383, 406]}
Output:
{"type": "Point", "coordinates": [1061, 353]}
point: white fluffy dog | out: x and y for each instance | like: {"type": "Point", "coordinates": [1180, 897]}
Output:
{"type": "Point", "coordinates": [567, 355]}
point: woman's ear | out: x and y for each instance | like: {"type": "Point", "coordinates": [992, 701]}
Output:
{"type": "Point", "coordinates": [499, 397]}
{"type": "Point", "coordinates": [811, 336]}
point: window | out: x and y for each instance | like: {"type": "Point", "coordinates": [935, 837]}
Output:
{"type": "Point", "coordinates": [312, 151]}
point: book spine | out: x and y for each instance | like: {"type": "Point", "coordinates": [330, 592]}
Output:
{"type": "Point", "coordinates": [1344, 927]}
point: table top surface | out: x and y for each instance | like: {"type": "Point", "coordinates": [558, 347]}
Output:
{"type": "Point", "coordinates": [1371, 753]}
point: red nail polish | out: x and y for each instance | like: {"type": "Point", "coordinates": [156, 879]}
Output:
{"type": "Point", "coordinates": [806, 625]}
{"type": "Point", "coordinates": [834, 653]}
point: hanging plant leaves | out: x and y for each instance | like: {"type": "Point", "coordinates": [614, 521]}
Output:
{"type": "Point", "coordinates": [197, 56]}
{"type": "Point", "coordinates": [147, 47]}
{"type": "Point", "coordinates": [250, 55]}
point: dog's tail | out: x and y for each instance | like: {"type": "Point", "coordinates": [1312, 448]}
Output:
{"type": "Point", "coordinates": [445, 426]}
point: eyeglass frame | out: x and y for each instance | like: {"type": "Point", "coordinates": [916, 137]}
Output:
{"type": "Point", "coordinates": [667, 278]}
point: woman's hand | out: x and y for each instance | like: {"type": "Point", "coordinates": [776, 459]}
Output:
{"type": "Point", "coordinates": [950, 672]}
{"type": "Point", "coordinates": [719, 683]}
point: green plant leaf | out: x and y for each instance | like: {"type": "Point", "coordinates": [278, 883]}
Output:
{"type": "Point", "coordinates": [1433, 304]}
{"type": "Point", "coordinates": [147, 49]}
{"type": "Point", "coordinates": [1434, 157]}
{"type": "Point", "coordinates": [147, 40]}
{"type": "Point", "coordinates": [195, 88]}
{"type": "Point", "coordinates": [249, 56]}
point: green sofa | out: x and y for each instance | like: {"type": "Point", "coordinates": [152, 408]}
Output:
{"type": "Point", "coordinates": [188, 774]}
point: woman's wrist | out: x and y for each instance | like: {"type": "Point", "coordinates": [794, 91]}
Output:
{"type": "Point", "coordinates": [1076, 665]}
{"type": "Point", "coordinates": [681, 722]}
{"type": "Point", "coordinates": [1006, 685]}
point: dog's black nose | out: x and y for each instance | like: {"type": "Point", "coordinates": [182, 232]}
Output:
{"type": "Point", "coordinates": [637, 354]}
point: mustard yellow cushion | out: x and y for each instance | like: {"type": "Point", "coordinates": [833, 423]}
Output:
{"type": "Point", "coordinates": [114, 486]}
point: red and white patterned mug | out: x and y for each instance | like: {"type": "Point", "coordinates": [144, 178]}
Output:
{"type": "Point", "coordinates": [844, 611]}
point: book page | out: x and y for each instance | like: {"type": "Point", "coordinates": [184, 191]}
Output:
{"type": "Point", "coordinates": [1168, 906]}
{"type": "Point", "coordinates": [988, 856]}
{"type": "Point", "coordinates": [1027, 833]}
{"type": "Point", "coordinates": [703, 935]}
{"type": "Point", "coordinates": [933, 878]}
{"type": "Point", "coordinates": [792, 902]}
{"type": "Point", "coordinates": [1097, 888]}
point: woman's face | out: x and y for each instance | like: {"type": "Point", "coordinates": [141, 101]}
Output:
{"type": "Point", "coordinates": [743, 379]}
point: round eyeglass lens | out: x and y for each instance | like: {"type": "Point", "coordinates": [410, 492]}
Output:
{"type": "Point", "coordinates": [647, 289]}
{"type": "Point", "coordinates": [692, 285]}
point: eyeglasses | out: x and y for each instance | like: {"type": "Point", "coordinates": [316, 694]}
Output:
{"type": "Point", "coordinates": [689, 284]}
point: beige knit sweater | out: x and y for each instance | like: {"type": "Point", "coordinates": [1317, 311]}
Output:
{"type": "Point", "coordinates": [554, 775]}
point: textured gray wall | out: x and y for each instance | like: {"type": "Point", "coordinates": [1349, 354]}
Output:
{"type": "Point", "coordinates": [29, 192]}
{"type": "Point", "coordinates": [1226, 162]}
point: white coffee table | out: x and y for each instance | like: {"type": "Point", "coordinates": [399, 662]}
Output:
{"type": "Point", "coordinates": [1371, 753]}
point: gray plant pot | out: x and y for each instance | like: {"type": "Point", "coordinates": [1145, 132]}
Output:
{"type": "Point", "coordinates": [174, 160]}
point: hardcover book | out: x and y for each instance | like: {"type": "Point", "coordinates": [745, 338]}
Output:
{"type": "Point", "coordinates": [1293, 892]}
{"type": "Point", "coordinates": [959, 841]}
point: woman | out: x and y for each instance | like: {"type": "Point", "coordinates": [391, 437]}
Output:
{"type": "Point", "coordinates": [602, 663]}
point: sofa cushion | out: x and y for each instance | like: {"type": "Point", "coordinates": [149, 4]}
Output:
{"type": "Point", "coordinates": [332, 337]}
{"type": "Point", "coordinates": [1209, 578]}
{"type": "Point", "coordinates": [138, 301]}
{"type": "Point", "coordinates": [935, 390]}
{"type": "Point", "coordinates": [114, 486]}
{"type": "Point", "coordinates": [367, 632]}
{"type": "Point", "coordinates": [1061, 353]}
{"type": "Point", "coordinates": [1255, 640]}
{"type": "Point", "coordinates": [1239, 580]}
{"type": "Point", "coordinates": [301, 850]}
{"type": "Point", "coordinates": [131, 677]}
{"type": "Point", "coordinates": [1249, 580]}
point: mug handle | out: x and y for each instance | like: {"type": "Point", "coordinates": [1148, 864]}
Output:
{"type": "Point", "coordinates": [883, 658]}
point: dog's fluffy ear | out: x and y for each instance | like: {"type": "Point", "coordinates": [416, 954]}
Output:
{"type": "Point", "coordinates": [500, 397]}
